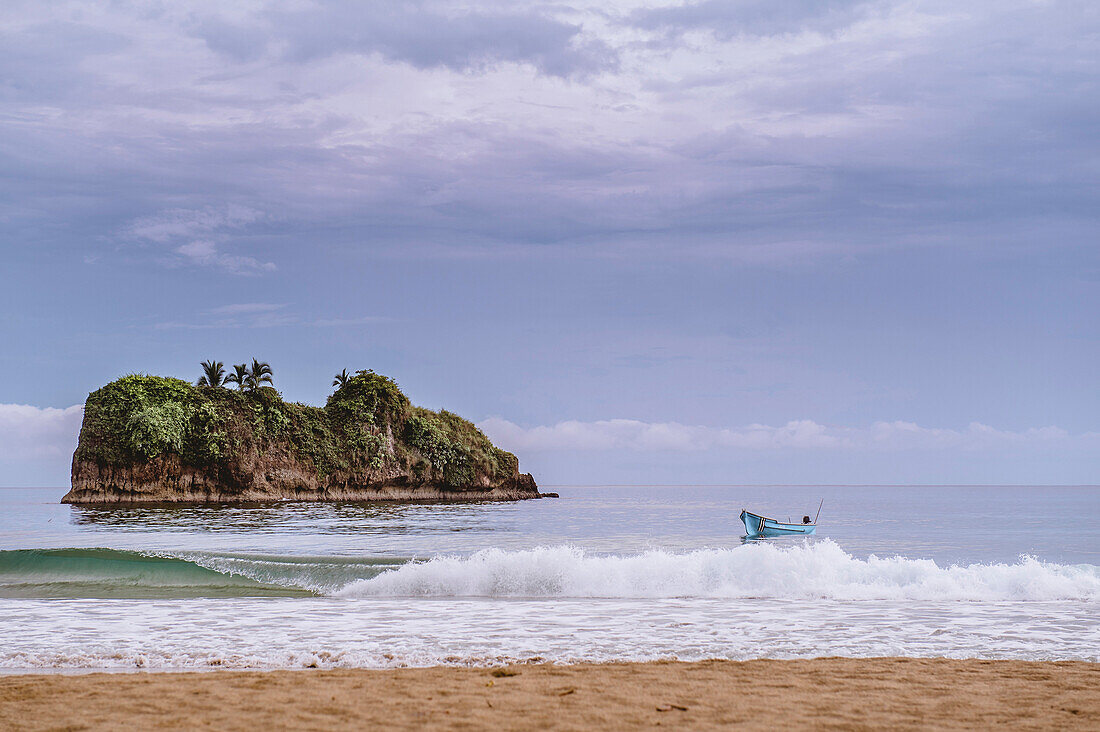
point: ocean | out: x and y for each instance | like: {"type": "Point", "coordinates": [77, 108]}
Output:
{"type": "Point", "coordinates": [604, 573]}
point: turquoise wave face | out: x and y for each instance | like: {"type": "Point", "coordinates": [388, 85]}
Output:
{"type": "Point", "coordinates": [777, 570]}
{"type": "Point", "coordinates": [112, 573]}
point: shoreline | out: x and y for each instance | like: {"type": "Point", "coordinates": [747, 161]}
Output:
{"type": "Point", "coordinates": [116, 498]}
{"type": "Point", "coordinates": [420, 497]}
{"type": "Point", "coordinates": [853, 693]}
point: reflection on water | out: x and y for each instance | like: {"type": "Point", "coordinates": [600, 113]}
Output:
{"type": "Point", "coordinates": [283, 517]}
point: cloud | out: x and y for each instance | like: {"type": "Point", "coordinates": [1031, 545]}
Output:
{"type": "Point", "coordinates": [753, 132]}
{"type": "Point", "coordinates": [205, 253]}
{"type": "Point", "coordinates": [628, 434]}
{"type": "Point", "coordinates": [179, 223]}
{"type": "Point", "coordinates": [907, 435]}
{"type": "Point", "coordinates": [631, 166]}
{"type": "Point", "coordinates": [726, 18]}
{"type": "Point", "coordinates": [246, 307]}
{"type": "Point", "coordinates": [202, 231]}
{"type": "Point", "coordinates": [429, 35]}
{"type": "Point", "coordinates": [340, 322]}
{"type": "Point", "coordinates": [263, 315]}
{"type": "Point", "coordinates": [28, 433]}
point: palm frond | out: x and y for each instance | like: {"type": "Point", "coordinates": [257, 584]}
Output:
{"type": "Point", "coordinates": [213, 373]}
{"type": "Point", "coordinates": [259, 373]}
{"type": "Point", "coordinates": [239, 376]}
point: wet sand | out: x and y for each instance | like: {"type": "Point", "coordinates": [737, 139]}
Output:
{"type": "Point", "coordinates": [826, 693]}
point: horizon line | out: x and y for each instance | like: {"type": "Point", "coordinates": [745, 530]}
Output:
{"type": "Point", "coordinates": [822, 485]}
{"type": "Point", "coordinates": [740, 485]}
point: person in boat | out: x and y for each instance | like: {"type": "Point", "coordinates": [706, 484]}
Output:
{"type": "Point", "coordinates": [805, 519]}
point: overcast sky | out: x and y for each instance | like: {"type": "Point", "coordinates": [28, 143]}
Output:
{"type": "Point", "coordinates": [706, 242]}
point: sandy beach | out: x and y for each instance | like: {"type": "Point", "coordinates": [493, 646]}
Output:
{"type": "Point", "coordinates": [837, 693]}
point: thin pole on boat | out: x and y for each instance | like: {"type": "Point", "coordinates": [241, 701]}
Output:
{"type": "Point", "coordinates": [819, 509]}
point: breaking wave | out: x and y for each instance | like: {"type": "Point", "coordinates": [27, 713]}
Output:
{"type": "Point", "coordinates": [802, 571]}
{"type": "Point", "coordinates": [808, 570]}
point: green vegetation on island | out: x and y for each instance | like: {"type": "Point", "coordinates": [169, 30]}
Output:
{"type": "Point", "coordinates": [367, 433]}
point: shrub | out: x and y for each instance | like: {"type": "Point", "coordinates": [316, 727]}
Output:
{"type": "Point", "coordinates": [455, 447]}
{"type": "Point", "coordinates": [367, 423]}
{"type": "Point", "coordinates": [156, 429]}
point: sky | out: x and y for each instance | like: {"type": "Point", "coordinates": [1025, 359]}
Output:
{"type": "Point", "coordinates": [636, 242]}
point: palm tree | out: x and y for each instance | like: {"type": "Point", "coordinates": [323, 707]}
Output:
{"type": "Point", "coordinates": [341, 379]}
{"type": "Point", "coordinates": [239, 376]}
{"type": "Point", "coordinates": [213, 373]}
{"type": "Point", "coordinates": [260, 373]}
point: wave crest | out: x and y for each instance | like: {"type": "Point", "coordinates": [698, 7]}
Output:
{"type": "Point", "coordinates": [804, 571]}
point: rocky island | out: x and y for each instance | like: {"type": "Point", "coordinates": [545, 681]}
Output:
{"type": "Point", "coordinates": [151, 439]}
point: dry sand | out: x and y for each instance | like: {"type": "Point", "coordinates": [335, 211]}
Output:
{"type": "Point", "coordinates": [837, 693]}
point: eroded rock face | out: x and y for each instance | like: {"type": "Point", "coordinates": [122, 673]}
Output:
{"type": "Point", "coordinates": [165, 480]}
{"type": "Point", "coordinates": [152, 440]}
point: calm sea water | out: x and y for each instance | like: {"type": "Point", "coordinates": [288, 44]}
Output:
{"type": "Point", "coordinates": [603, 573]}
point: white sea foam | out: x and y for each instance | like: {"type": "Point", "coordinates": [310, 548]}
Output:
{"type": "Point", "coordinates": [286, 632]}
{"type": "Point", "coordinates": [803, 571]}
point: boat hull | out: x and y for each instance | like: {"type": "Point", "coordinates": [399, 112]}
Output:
{"type": "Point", "coordinates": [756, 525]}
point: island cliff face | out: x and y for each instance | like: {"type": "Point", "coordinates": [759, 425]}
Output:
{"type": "Point", "coordinates": [149, 439]}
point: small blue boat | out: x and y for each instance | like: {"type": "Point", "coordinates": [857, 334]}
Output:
{"type": "Point", "coordinates": [757, 526]}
